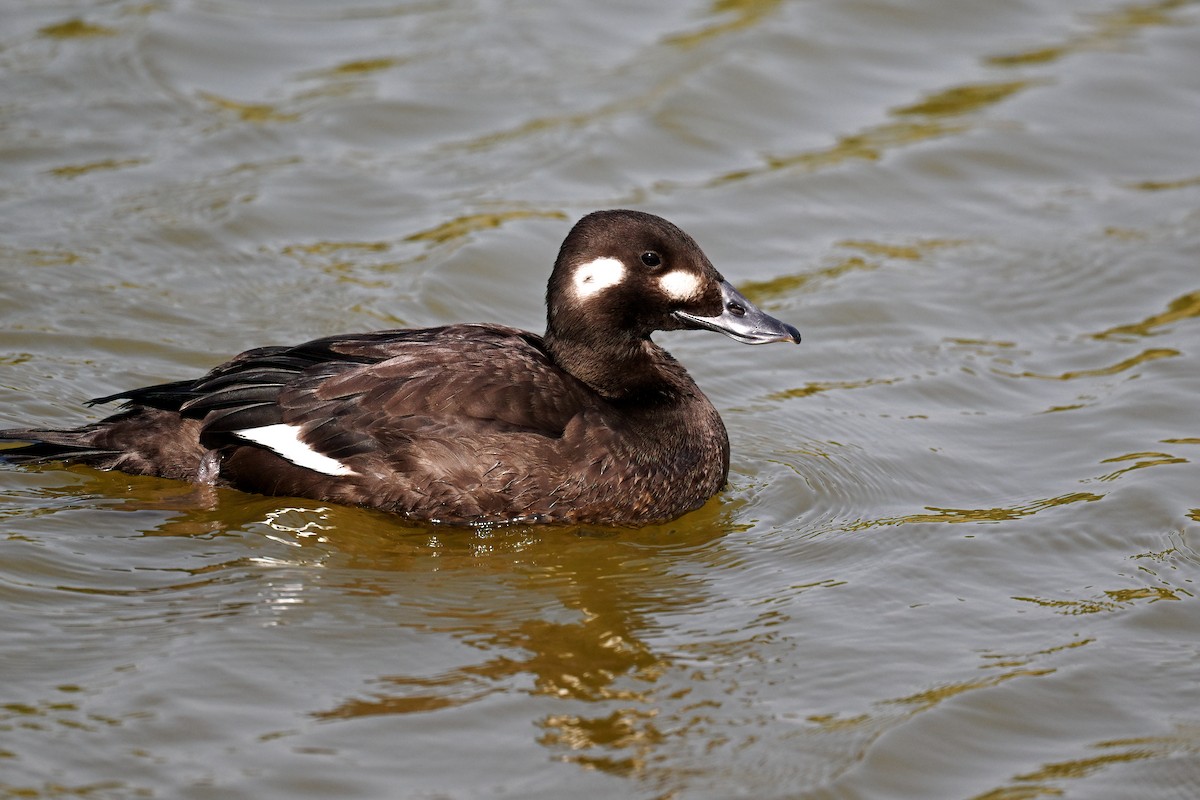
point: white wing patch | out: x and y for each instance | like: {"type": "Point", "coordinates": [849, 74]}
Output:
{"type": "Point", "coordinates": [285, 440]}
{"type": "Point", "coordinates": [596, 276]}
{"type": "Point", "coordinates": [680, 285]}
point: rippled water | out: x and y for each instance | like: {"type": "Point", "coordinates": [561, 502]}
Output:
{"type": "Point", "coordinates": [958, 556]}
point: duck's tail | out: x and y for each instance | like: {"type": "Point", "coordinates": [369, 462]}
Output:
{"type": "Point", "coordinates": [42, 445]}
{"type": "Point", "coordinates": [141, 441]}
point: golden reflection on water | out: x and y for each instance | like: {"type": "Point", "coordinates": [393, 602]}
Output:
{"type": "Point", "coordinates": [75, 170]}
{"type": "Point", "coordinates": [348, 261]}
{"type": "Point", "coordinates": [1042, 781]}
{"type": "Point", "coordinates": [621, 731]}
{"type": "Point", "coordinates": [1142, 460]}
{"type": "Point", "coordinates": [869, 145]}
{"type": "Point", "coordinates": [907, 252]}
{"type": "Point", "coordinates": [1150, 566]}
{"type": "Point", "coordinates": [963, 99]}
{"type": "Point", "coordinates": [790, 285]}
{"type": "Point", "coordinates": [959, 515]}
{"type": "Point", "coordinates": [1114, 600]}
{"type": "Point", "coordinates": [784, 285]}
{"type": "Point", "coordinates": [817, 387]}
{"type": "Point", "coordinates": [467, 224]}
{"type": "Point", "coordinates": [45, 258]}
{"type": "Point", "coordinates": [364, 66]}
{"type": "Point", "coordinates": [1181, 308]}
{"type": "Point", "coordinates": [593, 648]}
{"type": "Point", "coordinates": [1144, 357]}
{"type": "Point", "coordinates": [931, 697]}
{"type": "Point", "coordinates": [1162, 186]}
{"type": "Point", "coordinates": [739, 14]}
{"type": "Point", "coordinates": [257, 113]}
{"type": "Point", "coordinates": [76, 29]}
{"type": "Point", "coordinates": [1105, 30]}
{"type": "Point", "coordinates": [600, 658]}
{"type": "Point", "coordinates": [594, 659]}
{"type": "Point", "coordinates": [326, 248]}
{"type": "Point", "coordinates": [1004, 660]}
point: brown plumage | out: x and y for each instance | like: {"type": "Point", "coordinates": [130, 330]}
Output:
{"type": "Point", "coordinates": [465, 423]}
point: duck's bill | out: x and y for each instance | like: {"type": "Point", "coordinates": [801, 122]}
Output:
{"type": "Point", "coordinates": [742, 320]}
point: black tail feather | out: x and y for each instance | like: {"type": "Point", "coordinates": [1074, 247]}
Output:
{"type": "Point", "coordinates": [48, 445]}
{"type": "Point", "coordinates": [167, 396]}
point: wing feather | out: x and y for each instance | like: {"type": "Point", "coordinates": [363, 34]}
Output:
{"type": "Point", "coordinates": [377, 393]}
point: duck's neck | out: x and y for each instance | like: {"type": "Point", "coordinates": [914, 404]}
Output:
{"type": "Point", "coordinates": [621, 368]}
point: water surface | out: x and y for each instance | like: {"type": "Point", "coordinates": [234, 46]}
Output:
{"type": "Point", "coordinates": [958, 555]}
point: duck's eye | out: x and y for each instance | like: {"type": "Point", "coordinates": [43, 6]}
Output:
{"type": "Point", "coordinates": [651, 259]}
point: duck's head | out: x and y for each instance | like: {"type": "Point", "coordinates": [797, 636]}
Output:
{"type": "Point", "coordinates": [620, 275]}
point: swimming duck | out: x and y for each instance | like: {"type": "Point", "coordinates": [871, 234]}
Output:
{"type": "Point", "coordinates": [465, 424]}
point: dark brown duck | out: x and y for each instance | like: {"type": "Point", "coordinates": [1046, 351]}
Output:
{"type": "Point", "coordinates": [592, 422]}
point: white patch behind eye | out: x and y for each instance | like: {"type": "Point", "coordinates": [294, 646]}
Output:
{"type": "Point", "coordinates": [680, 285]}
{"type": "Point", "coordinates": [596, 276]}
{"type": "Point", "coordinates": [285, 441]}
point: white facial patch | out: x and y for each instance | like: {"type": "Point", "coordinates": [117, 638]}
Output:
{"type": "Point", "coordinates": [285, 441]}
{"type": "Point", "coordinates": [596, 276]}
{"type": "Point", "coordinates": [680, 285]}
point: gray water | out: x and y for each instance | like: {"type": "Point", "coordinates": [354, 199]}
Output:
{"type": "Point", "coordinates": [959, 552]}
